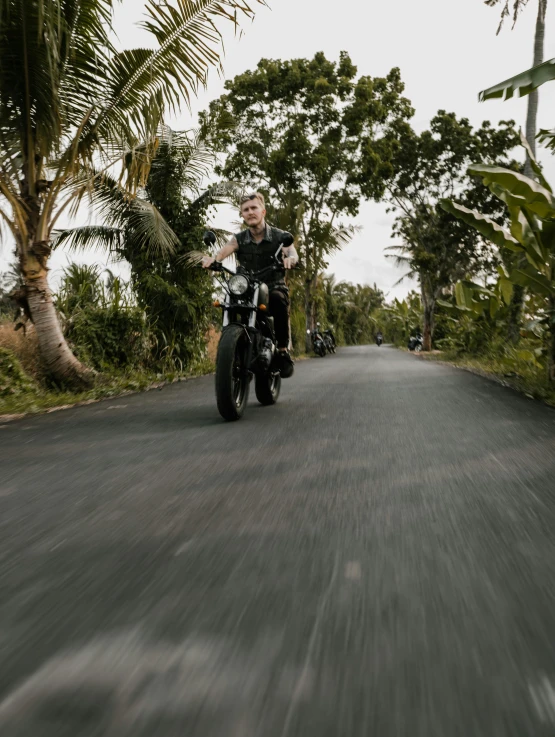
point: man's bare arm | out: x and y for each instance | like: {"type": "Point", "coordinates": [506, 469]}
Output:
{"type": "Point", "coordinates": [290, 257]}
{"type": "Point", "coordinates": [230, 247]}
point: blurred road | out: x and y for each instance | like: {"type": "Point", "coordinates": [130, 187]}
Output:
{"type": "Point", "coordinates": [373, 557]}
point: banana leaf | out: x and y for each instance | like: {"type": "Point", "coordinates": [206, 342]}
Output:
{"type": "Point", "coordinates": [538, 199]}
{"type": "Point", "coordinates": [522, 83]}
{"type": "Point", "coordinates": [506, 290]}
{"type": "Point", "coordinates": [483, 224]}
{"type": "Point", "coordinates": [530, 278]}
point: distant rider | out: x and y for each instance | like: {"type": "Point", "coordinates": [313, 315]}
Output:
{"type": "Point", "coordinates": [255, 249]}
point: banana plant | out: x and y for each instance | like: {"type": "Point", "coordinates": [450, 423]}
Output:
{"type": "Point", "coordinates": [531, 206]}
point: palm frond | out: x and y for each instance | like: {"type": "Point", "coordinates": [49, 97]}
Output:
{"type": "Point", "coordinates": [100, 237]}
{"type": "Point", "coordinates": [142, 82]}
{"type": "Point", "coordinates": [148, 229]}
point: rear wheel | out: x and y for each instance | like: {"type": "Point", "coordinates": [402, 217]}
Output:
{"type": "Point", "coordinates": [232, 378]}
{"type": "Point", "coordinates": [267, 388]}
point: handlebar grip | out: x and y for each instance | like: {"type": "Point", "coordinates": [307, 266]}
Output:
{"type": "Point", "coordinates": [216, 266]}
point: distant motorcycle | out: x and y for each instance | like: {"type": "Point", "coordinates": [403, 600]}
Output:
{"type": "Point", "coordinates": [318, 345]}
{"type": "Point", "coordinates": [329, 341]}
{"type": "Point", "coordinates": [379, 339]}
{"type": "Point", "coordinates": [415, 343]}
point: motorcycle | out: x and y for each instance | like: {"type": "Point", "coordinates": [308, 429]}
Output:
{"type": "Point", "coordinates": [379, 339]}
{"type": "Point", "coordinates": [415, 343]}
{"type": "Point", "coordinates": [329, 341]}
{"type": "Point", "coordinates": [247, 347]}
{"type": "Point", "coordinates": [318, 345]}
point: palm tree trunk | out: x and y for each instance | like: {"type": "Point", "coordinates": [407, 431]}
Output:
{"type": "Point", "coordinates": [533, 99]}
{"type": "Point", "coordinates": [60, 362]}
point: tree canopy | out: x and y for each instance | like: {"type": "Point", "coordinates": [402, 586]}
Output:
{"type": "Point", "coordinates": [316, 138]}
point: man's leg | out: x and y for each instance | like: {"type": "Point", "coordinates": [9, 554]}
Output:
{"type": "Point", "coordinates": [279, 309]}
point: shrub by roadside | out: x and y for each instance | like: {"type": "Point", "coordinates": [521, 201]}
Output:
{"type": "Point", "coordinates": [124, 368]}
{"type": "Point", "coordinates": [14, 382]}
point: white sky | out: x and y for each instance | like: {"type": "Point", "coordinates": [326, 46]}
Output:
{"type": "Point", "coordinates": [447, 51]}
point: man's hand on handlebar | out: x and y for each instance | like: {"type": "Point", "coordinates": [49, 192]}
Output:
{"type": "Point", "coordinates": [207, 262]}
{"type": "Point", "coordinates": [289, 262]}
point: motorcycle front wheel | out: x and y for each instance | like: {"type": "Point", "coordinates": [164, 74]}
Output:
{"type": "Point", "coordinates": [267, 388]}
{"type": "Point", "coordinates": [232, 378]}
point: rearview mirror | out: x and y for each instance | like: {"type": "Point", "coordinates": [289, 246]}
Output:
{"type": "Point", "coordinates": [209, 238]}
{"type": "Point", "coordinates": [287, 240]}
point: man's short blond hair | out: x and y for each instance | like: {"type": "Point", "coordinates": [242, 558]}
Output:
{"type": "Point", "coordinates": [253, 196]}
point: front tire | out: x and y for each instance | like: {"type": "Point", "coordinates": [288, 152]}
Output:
{"type": "Point", "coordinates": [267, 388]}
{"type": "Point", "coordinates": [232, 379]}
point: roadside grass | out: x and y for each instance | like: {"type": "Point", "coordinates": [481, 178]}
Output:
{"type": "Point", "coordinates": [520, 372]}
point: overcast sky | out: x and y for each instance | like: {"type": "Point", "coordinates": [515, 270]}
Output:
{"type": "Point", "coordinates": [447, 51]}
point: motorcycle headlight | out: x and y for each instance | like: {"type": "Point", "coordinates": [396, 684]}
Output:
{"type": "Point", "coordinates": [238, 284]}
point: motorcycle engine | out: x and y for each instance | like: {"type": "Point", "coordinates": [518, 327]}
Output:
{"type": "Point", "coordinates": [265, 356]}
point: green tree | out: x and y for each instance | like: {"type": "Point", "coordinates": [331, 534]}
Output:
{"type": "Point", "coordinates": [435, 247]}
{"type": "Point", "coordinates": [72, 106]}
{"type": "Point", "coordinates": [316, 139]}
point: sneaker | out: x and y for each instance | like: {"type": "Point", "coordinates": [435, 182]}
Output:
{"type": "Point", "coordinates": [286, 364]}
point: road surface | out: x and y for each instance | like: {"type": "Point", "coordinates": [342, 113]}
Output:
{"type": "Point", "coordinates": [373, 557]}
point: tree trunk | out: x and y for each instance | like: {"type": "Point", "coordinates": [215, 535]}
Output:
{"type": "Point", "coordinates": [427, 337]}
{"type": "Point", "coordinates": [308, 315]}
{"type": "Point", "coordinates": [310, 308]}
{"type": "Point", "coordinates": [515, 314]}
{"type": "Point", "coordinates": [58, 359]}
{"type": "Point", "coordinates": [533, 99]}
{"type": "Point", "coordinates": [429, 305]}
{"type": "Point", "coordinates": [551, 356]}
{"type": "Point", "coordinates": [60, 362]}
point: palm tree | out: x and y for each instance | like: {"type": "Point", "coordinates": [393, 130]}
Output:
{"type": "Point", "coordinates": [73, 109]}
{"type": "Point", "coordinates": [539, 44]}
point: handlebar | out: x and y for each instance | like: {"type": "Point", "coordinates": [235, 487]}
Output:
{"type": "Point", "coordinates": [218, 266]}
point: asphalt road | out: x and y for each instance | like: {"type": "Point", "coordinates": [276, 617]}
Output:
{"type": "Point", "coordinates": [373, 557]}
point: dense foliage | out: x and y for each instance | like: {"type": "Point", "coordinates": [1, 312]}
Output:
{"type": "Point", "coordinates": [176, 298]}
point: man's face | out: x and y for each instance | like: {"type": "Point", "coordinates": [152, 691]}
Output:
{"type": "Point", "coordinates": [253, 213]}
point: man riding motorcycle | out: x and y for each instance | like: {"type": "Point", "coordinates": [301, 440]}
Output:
{"type": "Point", "coordinates": [255, 249]}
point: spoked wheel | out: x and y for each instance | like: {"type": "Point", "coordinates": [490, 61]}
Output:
{"type": "Point", "coordinates": [232, 379]}
{"type": "Point", "coordinates": [267, 388]}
